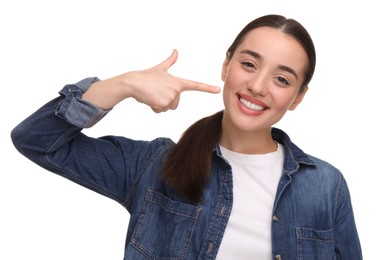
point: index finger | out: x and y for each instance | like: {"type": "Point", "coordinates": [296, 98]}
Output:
{"type": "Point", "coordinates": [189, 85]}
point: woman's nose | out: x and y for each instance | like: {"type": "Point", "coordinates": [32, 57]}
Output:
{"type": "Point", "coordinates": [258, 85]}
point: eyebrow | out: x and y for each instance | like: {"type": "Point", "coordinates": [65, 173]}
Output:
{"type": "Point", "coordinates": [252, 53]}
{"type": "Point", "coordinates": [288, 69]}
{"type": "Point", "coordinates": [259, 57]}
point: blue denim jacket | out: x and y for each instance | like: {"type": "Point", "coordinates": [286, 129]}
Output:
{"type": "Point", "coordinates": [312, 217]}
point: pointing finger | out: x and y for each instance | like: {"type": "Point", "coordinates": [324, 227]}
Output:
{"type": "Point", "coordinates": [189, 85]}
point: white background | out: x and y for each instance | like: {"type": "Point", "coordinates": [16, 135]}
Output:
{"type": "Point", "coordinates": [46, 44]}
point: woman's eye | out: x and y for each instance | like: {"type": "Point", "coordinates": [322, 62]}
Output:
{"type": "Point", "coordinates": [248, 65]}
{"type": "Point", "coordinates": [283, 81]}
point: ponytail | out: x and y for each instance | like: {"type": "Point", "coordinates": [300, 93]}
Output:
{"type": "Point", "coordinates": [188, 164]}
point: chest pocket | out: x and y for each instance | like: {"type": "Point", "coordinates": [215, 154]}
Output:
{"type": "Point", "coordinates": [315, 244]}
{"type": "Point", "coordinates": [164, 227]}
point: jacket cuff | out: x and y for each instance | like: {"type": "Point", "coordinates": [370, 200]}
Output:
{"type": "Point", "coordinates": [74, 109]}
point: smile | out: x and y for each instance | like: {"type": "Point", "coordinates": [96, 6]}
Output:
{"type": "Point", "coordinates": [251, 105]}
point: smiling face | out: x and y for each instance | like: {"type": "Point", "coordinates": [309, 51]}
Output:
{"type": "Point", "coordinates": [262, 80]}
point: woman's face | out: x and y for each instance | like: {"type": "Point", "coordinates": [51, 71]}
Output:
{"type": "Point", "coordinates": [262, 79]}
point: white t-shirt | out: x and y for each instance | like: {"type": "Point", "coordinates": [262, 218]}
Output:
{"type": "Point", "coordinates": [255, 181]}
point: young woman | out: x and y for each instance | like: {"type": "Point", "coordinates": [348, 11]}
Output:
{"type": "Point", "coordinates": [233, 187]}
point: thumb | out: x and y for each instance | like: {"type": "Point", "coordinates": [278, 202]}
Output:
{"type": "Point", "coordinates": [167, 63]}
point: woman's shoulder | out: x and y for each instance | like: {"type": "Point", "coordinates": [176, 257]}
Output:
{"type": "Point", "coordinates": [322, 171]}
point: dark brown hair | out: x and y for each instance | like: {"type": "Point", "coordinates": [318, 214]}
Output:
{"type": "Point", "coordinates": [188, 164]}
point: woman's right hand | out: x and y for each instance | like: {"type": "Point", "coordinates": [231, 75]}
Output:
{"type": "Point", "coordinates": [154, 87]}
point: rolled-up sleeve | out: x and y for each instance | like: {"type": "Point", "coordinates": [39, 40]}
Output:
{"type": "Point", "coordinates": [74, 109]}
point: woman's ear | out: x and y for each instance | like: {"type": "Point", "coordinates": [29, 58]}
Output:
{"type": "Point", "coordinates": [225, 66]}
{"type": "Point", "coordinates": [298, 98]}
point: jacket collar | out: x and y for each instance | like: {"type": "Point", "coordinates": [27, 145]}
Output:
{"type": "Point", "coordinates": [293, 155]}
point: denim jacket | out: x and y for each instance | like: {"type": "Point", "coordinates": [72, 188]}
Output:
{"type": "Point", "coordinates": [312, 217]}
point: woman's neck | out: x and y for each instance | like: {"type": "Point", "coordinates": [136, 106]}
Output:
{"type": "Point", "coordinates": [252, 142]}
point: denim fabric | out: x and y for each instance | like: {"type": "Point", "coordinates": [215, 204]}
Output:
{"type": "Point", "coordinates": [312, 217]}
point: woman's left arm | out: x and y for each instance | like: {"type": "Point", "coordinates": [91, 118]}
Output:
{"type": "Point", "coordinates": [346, 234]}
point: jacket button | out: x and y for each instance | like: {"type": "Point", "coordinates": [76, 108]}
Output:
{"type": "Point", "coordinates": [210, 247]}
{"type": "Point", "coordinates": [275, 218]}
{"type": "Point", "coordinates": [278, 257]}
{"type": "Point", "coordinates": [222, 211]}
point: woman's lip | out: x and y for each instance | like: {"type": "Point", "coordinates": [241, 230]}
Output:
{"type": "Point", "coordinates": [252, 100]}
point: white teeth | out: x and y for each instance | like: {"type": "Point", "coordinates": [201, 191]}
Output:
{"type": "Point", "coordinates": [250, 105]}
